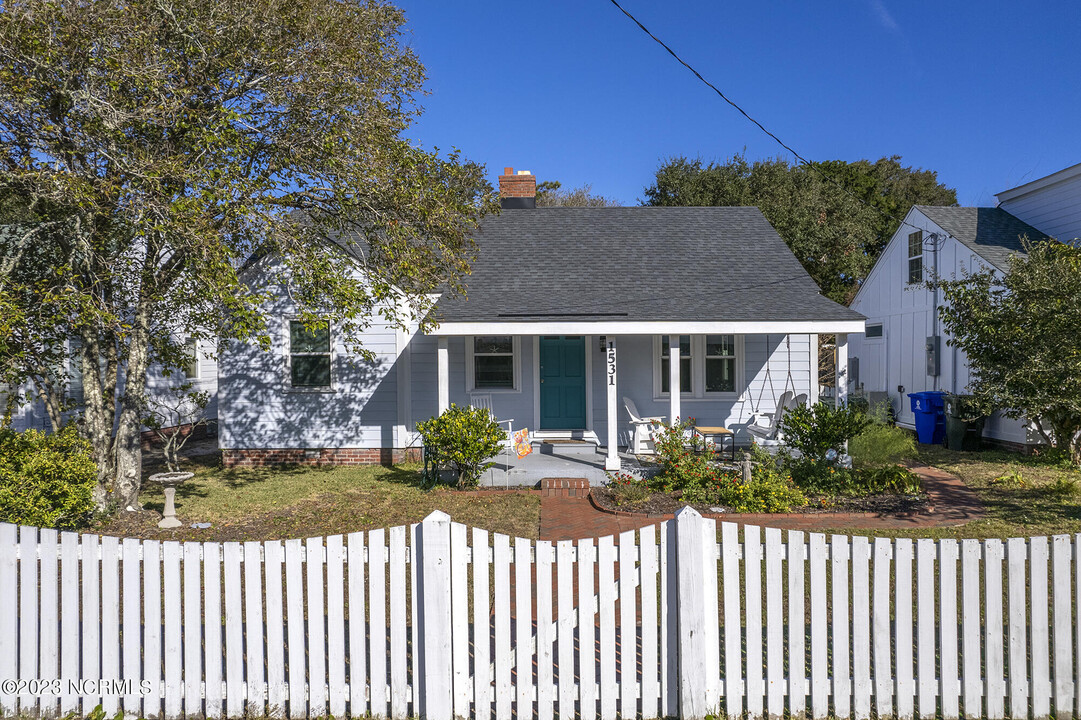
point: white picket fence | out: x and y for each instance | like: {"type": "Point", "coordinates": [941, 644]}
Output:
{"type": "Point", "coordinates": [438, 621]}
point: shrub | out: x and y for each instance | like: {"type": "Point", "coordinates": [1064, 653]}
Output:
{"type": "Point", "coordinates": [879, 445]}
{"type": "Point", "coordinates": [817, 429]}
{"type": "Point", "coordinates": [769, 491]}
{"type": "Point", "coordinates": [627, 489]}
{"type": "Point", "coordinates": [462, 438]}
{"type": "Point", "coordinates": [679, 453]}
{"type": "Point", "coordinates": [890, 479]}
{"type": "Point", "coordinates": [820, 477]}
{"type": "Point", "coordinates": [46, 480]}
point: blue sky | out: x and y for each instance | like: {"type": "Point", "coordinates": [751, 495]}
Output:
{"type": "Point", "coordinates": [988, 94]}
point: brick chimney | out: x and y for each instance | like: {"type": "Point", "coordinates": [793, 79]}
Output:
{"type": "Point", "coordinates": [517, 190]}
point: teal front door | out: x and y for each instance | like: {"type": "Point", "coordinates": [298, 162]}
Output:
{"type": "Point", "coordinates": [562, 383]}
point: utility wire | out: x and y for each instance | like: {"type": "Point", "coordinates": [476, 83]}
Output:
{"type": "Point", "coordinates": [812, 165]}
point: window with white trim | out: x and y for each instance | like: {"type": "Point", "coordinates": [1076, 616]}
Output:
{"type": "Point", "coordinates": [309, 355]}
{"type": "Point", "coordinates": [709, 365]}
{"type": "Point", "coordinates": [873, 330]}
{"type": "Point", "coordinates": [493, 363]}
{"type": "Point", "coordinates": [75, 370]}
{"type": "Point", "coordinates": [720, 363]}
{"type": "Point", "coordinates": [684, 364]}
{"type": "Point", "coordinates": [191, 357]}
{"type": "Point", "coordinates": [915, 257]}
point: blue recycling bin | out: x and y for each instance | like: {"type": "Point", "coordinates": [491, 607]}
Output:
{"type": "Point", "coordinates": [927, 407]}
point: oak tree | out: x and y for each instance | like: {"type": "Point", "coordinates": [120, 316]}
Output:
{"type": "Point", "coordinates": [836, 217]}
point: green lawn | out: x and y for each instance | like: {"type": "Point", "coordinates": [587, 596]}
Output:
{"type": "Point", "coordinates": [292, 502]}
{"type": "Point", "coordinates": [1023, 495]}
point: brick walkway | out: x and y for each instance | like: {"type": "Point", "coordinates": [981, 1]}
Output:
{"type": "Point", "coordinates": [568, 514]}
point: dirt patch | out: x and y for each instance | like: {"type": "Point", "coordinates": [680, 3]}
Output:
{"type": "Point", "coordinates": [669, 503]}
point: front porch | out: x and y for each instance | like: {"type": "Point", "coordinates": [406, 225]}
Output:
{"type": "Point", "coordinates": [557, 460]}
{"type": "Point", "coordinates": [576, 386]}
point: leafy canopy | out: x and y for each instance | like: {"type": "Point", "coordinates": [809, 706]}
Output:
{"type": "Point", "coordinates": [835, 217]}
{"type": "Point", "coordinates": [550, 193]}
{"type": "Point", "coordinates": [153, 147]}
{"type": "Point", "coordinates": [1021, 332]}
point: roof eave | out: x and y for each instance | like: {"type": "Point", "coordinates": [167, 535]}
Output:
{"type": "Point", "coordinates": [650, 327]}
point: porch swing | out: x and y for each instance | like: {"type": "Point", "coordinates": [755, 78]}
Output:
{"type": "Point", "coordinates": [764, 427]}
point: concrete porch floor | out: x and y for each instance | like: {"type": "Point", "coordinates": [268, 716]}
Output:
{"type": "Point", "coordinates": [551, 460]}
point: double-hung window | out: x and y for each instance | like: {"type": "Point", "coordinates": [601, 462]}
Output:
{"type": "Point", "coordinates": [720, 363]}
{"type": "Point", "coordinates": [309, 355]}
{"type": "Point", "coordinates": [493, 365]}
{"type": "Point", "coordinates": [915, 257]}
{"type": "Point", "coordinates": [191, 358]}
{"type": "Point", "coordinates": [709, 365]}
{"type": "Point", "coordinates": [684, 364]}
{"type": "Point", "coordinates": [75, 370]}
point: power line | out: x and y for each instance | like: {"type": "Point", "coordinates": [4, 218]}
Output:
{"type": "Point", "coordinates": [804, 161]}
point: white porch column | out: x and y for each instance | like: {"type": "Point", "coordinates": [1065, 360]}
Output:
{"type": "Point", "coordinates": [840, 382]}
{"type": "Point", "coordinates": [673, 378]}
{"type": "Point", "coordinates": [611, 460]}
{"type": "Point", "coordinates": [442, 359]}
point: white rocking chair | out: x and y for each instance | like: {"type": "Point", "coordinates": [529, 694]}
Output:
{"type": "Point", "coordinates": [643, 428]}
{"type": "Point", "coordinates": [766, 427]}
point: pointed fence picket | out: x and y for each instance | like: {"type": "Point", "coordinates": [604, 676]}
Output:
{"type": "Point", "coordinates": [439, 622]}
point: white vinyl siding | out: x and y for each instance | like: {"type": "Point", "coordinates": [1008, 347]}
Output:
{"type": "Point", "coordinates": [896, 362]}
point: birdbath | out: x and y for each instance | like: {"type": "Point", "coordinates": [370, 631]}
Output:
{"type": "Point", "coordinates": [169, 481]}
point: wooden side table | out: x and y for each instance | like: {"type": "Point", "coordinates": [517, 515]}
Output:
{"type": "Point", "coordinates": [721, 437]}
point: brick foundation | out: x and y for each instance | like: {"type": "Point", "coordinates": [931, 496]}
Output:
{"type": "Point", "coordinates": [318, 456]}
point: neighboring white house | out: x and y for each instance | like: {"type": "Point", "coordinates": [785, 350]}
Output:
{"type": "Point", "coordinates": [1052, 203]}
{"type": "Point", "coordinates": [905, 349]}
{"type": "Point", "coordinates": [569, 310]}
{"type": "Point", "coordinates": [202, 372]}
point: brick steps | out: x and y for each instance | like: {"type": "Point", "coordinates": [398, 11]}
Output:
{"type": "Point", "coordinates": [565, 488]}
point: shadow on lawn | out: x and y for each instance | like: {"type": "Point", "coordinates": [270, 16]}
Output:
{"type": "Point", "coordinates": [1024, 490]}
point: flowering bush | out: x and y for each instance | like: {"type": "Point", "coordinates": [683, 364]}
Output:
{"type": "Point", "coordinates": [628, 489]}
{"type": "Point", "coordinates": [769, 491]}
{"type": "Point", "coordinates": [679, 452]}
{"type": "Point", "coordinates": [462, 438]}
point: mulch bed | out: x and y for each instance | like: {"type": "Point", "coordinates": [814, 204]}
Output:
{"type": "Point", "coordinates": [667, 503]}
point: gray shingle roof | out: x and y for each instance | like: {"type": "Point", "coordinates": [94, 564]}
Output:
{"type": "Point", "coordinates": [991, 233]}
{"type": "Point", "coordinates": [637, 264]}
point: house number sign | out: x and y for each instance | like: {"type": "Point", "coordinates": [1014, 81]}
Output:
{"type": "Point", "coordinates": [611, 353]}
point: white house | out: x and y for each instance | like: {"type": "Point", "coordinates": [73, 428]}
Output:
{"type": "Point", "coordinates": [1052, 203]}
{"type": "Point", "coordinates": [905, 349]}
{"type": "Point", "coordinates": [201, 371]}
{"type": "Point", "coordinates": [569, 310]}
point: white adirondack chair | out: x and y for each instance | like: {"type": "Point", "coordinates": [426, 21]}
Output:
{"type": "Point", "coordinates": [483, 401]}
{"type": "Point", "coordinates": [643, 427]}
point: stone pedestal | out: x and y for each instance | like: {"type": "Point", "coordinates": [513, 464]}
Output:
{"type": "Point", "coordinates": [169, 481]}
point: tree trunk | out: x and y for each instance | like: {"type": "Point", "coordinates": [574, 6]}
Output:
{"type": "Point", "coordinates": [128, 450]}
{"type": "Point", "coordinates": [98, 412]}
{"type": "Point", "coordinates": [1067, 427]}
